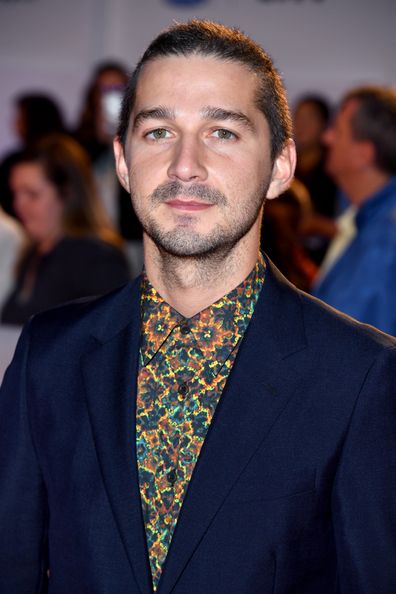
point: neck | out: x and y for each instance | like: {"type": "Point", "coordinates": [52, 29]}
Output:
{"type": "Point", "coordinates": [359, 188]}
{"type": "Point", "coordinates": [190, 284]}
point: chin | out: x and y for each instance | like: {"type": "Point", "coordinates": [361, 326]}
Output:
{"type": "Point", "coordinates": [182, 249]}
{"type": "Point", "coordinates": [194, 245]}
{"type": "Point", "coordinates": [185, 243]}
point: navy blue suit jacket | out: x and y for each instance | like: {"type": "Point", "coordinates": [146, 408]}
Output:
{"type": "Point", "coordinates": [294, 490]}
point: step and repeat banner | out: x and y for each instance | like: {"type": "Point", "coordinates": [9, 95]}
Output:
{"type": "Point", "coordinates": [318, 45]}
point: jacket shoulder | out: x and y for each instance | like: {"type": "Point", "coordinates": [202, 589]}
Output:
{"type": "Point", "coordinates": [87, 317]}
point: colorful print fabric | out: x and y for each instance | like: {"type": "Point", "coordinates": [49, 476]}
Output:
{"type": "Point", "coordinates": [184, 364]}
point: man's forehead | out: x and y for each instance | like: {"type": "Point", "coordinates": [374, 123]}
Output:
{"type": "Point", "coordinates": [164, 76]}
{"type": "Point", "coordinates": [195, 62]}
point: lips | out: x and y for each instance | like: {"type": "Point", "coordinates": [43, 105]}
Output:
{"type": "Point", "coordinates": [190, 205]}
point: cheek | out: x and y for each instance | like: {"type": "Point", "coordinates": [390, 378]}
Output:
{"type": "Point", "coordinates": [144, 172]}
{"type": "Point", "coordinates": [254, 172]}
{"type": "Point", "coordinates": [48, 213]}
{"type": "Point", "coordinates": [26, 209]}
{"type": "Point", "coordinates": [245, 189]}
{"type": "Point", "coordinates": [139, 181]}
{"type": "Point", "coordinates": [41, 217]}
{"type": "Point", "coordinates": [148, 160]}
{"type": "Point", "coordinates": [57, 214]}
{"type": "Point", "coordinates": [238, 171]}
{"type": "Point", "coordinates": [338, 148]}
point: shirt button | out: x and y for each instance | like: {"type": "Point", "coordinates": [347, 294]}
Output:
{"type": "Point", "coordinates": [183, 389]}
{"type": "Point", "coordinates": [185, 329]}
{"type": "Point", "coordinates": [171, 477]}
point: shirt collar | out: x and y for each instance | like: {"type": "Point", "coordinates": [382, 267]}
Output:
{"type": "Point", "coordinates": [217, 328]}
{"type": "Point", "coordinates": [158, 320]}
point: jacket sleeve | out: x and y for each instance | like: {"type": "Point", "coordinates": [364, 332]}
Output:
{"type": "Point", "coordinates": [23, 508]}
{"type": "Point", "coordinates": [364, 497]}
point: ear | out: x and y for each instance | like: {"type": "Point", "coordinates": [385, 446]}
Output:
{"type": "Point", "coordinates": [121, 166]}
{"type": "Point", "coordinates": [283, 170]}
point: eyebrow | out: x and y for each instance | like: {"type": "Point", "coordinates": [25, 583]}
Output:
{"type": "Point", "coordinates": [157, 113]}
{"type": "Point", "coordinates": [208, 113]}
{"type": "Point", "coordinates": [218, 113]}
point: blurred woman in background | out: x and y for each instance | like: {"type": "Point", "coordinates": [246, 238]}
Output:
{"type": "Point", "coordinates": [74, 252]}
{"type": "Point", "coordinates": [99, 113]}
{"type": "Point", "coordinates": [95, 131]}
{"type": "Point", "coordinates": [311, 119]}
{"type": "Point", "coordinates": [35, 116]}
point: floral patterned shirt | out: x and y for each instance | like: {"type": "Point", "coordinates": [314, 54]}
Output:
{"type": "Point", "coordinates": [184, 364]}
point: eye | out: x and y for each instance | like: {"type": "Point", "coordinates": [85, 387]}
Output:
{"type": "Point", "coordinates": [224, 134]}
{"type": "Point", "coordinates": [158, 134]}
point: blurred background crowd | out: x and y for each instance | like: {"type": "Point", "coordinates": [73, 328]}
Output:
{"type": "Point", "coordinates": [68, 230]}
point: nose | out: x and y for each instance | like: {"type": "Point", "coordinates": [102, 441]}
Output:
{"type": "Point", "coordinates": [187, 162]}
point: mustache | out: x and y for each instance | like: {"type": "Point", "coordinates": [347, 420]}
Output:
{"type": "Point", "coordinates": [175, 188]}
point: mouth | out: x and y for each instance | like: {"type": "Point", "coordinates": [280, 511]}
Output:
{"type": "Point", "coordinates": [189, 205]}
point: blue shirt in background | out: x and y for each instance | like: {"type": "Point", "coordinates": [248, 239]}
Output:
{"type": "Point", "coordinates": [362, 282]}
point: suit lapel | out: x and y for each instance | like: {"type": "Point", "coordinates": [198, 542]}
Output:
{"type": "Point", "coordinates": [110, 372]}
{"type": "Point", "coordinates": [257, 391]}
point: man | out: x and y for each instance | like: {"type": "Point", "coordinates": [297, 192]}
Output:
{"type": "Point", "coordinates": [361, 281]}
{"type": "Point", "coordinates": [209, 428]}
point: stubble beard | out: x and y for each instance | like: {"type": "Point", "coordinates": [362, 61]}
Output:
{"type": "Point", "coordinates": [182, 242]}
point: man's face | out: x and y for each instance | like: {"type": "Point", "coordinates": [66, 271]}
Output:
{"type": "Point", "coordinates": [344, 151]}
{"type": "Point", "coordinates": [197, 158]}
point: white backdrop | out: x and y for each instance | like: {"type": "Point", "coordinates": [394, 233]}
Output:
{"type": "Point", "coordinates": [319, 45]}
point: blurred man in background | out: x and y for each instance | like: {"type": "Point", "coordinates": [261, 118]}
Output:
{"type": "Point", "coordinates": [362, 159]}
